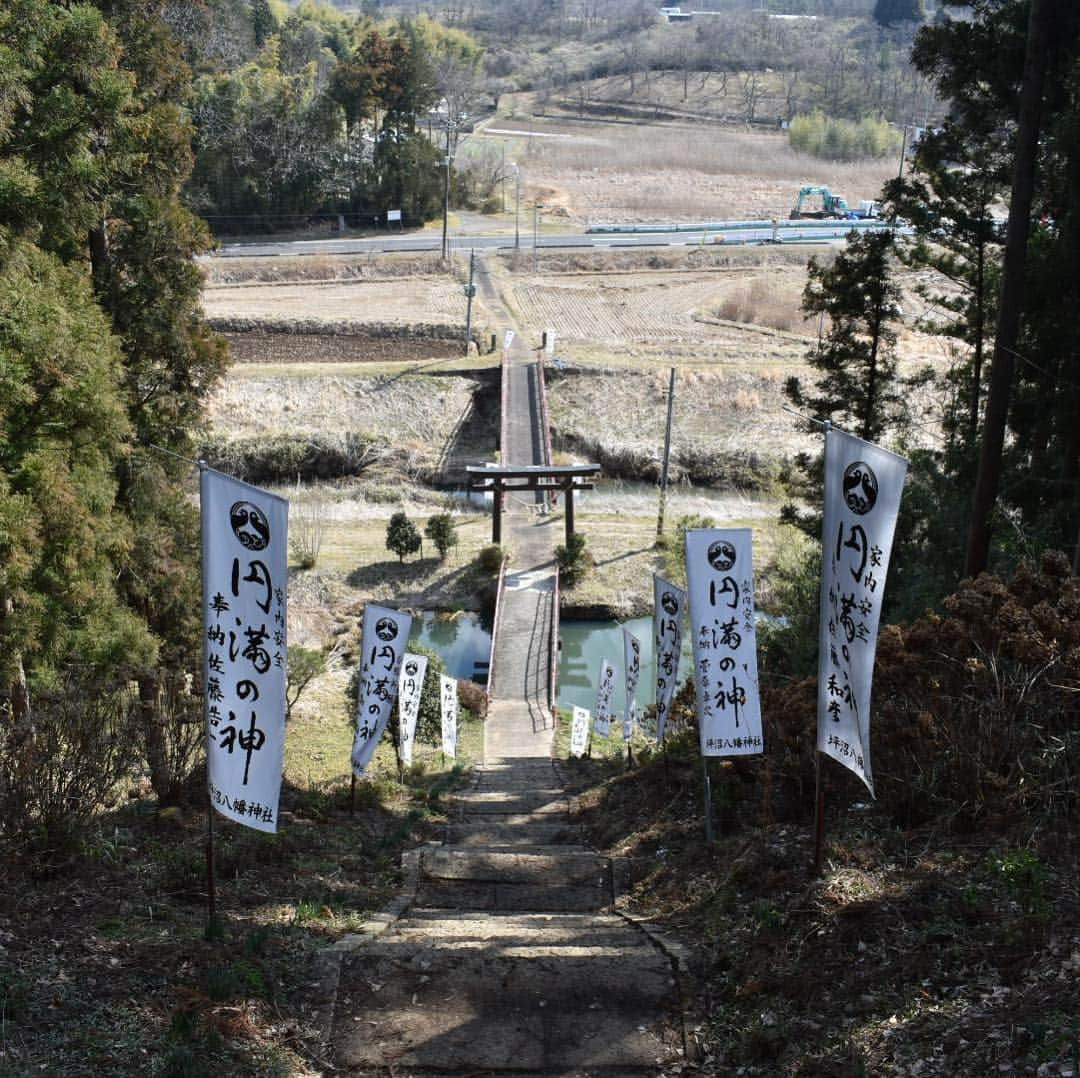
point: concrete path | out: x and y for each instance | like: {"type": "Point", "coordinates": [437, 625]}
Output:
{"type": "Point", "coordinates": [510, 959]}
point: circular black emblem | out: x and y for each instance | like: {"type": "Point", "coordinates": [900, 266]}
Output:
{"type": "Point", "coordinates": [721, 555]}
{"type": "Point", "coordinates": [860, 488]}
{"type": "Point", "coordinates": [669, 603]}
{"type": "Point", "coordinates": [249, 525]}
{"type": "Point", "coordinates": [386, 629]}
{"type": "Point", "coordinates": [411, 668]}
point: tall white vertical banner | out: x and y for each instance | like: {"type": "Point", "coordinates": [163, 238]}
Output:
{"type": "Point", "coordinates": [579, 731]}
{"type": "Point", "coordinates": [632, 668]}
{"type": "Point", "coordinates": [720, 573]}
{"type": "Point", "coordinates": [384, 636]}
{"type": "Point", "coordinates": [245, 547]}
{"type": "Point", "coordinates": [410, 690]}
{"type": "Point", "coordinates": [670, 603]}
{"type": "Point", "coordinates": [448, 705]}
{"type": "Point", "coordinates": [863, 484]}
{"type": "Point", "coordinates": [602, 718]}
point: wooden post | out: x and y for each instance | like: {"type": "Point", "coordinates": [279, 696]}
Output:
{"type": "Point", "coordinates": [568, 493]}
{"type": "Point", "coordinates": [496, 513]}
{"type": "Point", "coordinates": [667, 456]}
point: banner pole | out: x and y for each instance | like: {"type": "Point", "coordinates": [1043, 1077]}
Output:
{"type": "Point", "coordinates": [709, 834]}
{"type": "Point", "coordinates": [819, 815]}
{"type": "Point", "coordinates": [211, 882]}
{"type": "Point", "coordinates": [352, 794]}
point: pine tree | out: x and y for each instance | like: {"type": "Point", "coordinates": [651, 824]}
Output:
{"type": "Point", "coordinates": [859, 297]}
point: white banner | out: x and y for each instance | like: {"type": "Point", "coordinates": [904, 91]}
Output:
{"type": "Point", "coordinates": [632, 666]}
{"type": "Point", "coordinates": [385, 636]}
{"type": "Point", "coordinates": [245, 546]}
{"type": "Point", "coordinates": [602, 718]}
{"type": "Point", "coordinates": [670, 603]}
{"type": "Point", "coordinates": [720, 572]}
{"type": "Point", "coordinates": [448, 706]}
{"type": "Point", "coordinates": [410, 690]}
{"type": "Point", "coordinates": [579, 732]}
{"type": "Point", "coordinates": [863, 484]}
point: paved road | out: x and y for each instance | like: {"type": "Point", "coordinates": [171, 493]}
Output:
{"type": "Point", "coordinates": [740, 233]}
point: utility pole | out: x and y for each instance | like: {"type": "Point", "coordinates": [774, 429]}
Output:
{"type": "Point", "coordinates": [667, 456]}
{"type": "Point", "coordinates": [446, 196]}
{"type": "Point", "coordinates": [903, 152]}
{"type": "Point", "coordinates": [536, 225]}
{"type": "Point", "coordinates": [470, 291]}
{"type": "Point", "coordinates": [517, 208]}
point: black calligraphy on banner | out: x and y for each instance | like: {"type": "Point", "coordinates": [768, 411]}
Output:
{"type": "Point", "coordinates": [245, 646]}
{"type": "Point", "coordinates": [719, 568]}
{"type": "Point", "coordinates": [863, 484]}
{"type": "Point", "coordinates": [383, 639]}
{"type": "Point", "coordinates": [410, 692]}
{"type": "Point", "coordinates": [670, 605]}
{"type": "Point", "coordinates": [604, 692]}
{"type": "Point", "coordinates": [632, 668]}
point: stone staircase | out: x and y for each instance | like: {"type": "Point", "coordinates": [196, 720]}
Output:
{"type": "Point", "coordinates": [510, 960]}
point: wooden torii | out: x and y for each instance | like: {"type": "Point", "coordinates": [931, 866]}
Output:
{"type": "Point", "coordinates": [538, 477]}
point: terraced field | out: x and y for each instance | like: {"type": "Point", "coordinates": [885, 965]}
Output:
{"type": "Point", "coordinates": [417, 299]}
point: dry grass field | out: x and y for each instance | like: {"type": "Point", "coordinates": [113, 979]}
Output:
{"type": "Point", "coordinates": [591, 172]}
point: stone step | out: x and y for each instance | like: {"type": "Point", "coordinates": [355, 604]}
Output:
{"type": "Point", "coordinates": [508, 1000]}
{"type": "Point", "coordinates": [482, 804]}
{"type": "Point", "coordinates": [485, 833]}
{"type": "Point", "coordinates": [554, 869]}
{"type": "Point", "coordinates": [436, 928]}
{"type": "Point", "coordinates": [451, 878]}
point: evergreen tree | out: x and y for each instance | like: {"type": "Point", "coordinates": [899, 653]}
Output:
{"type": "Point", "coordinates": [858, 295]}
{"type": "Point", "coordinates": [402, 536]}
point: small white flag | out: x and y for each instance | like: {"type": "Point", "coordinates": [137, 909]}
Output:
{"type": "Point", "coordinates": [449, 706]}
{"type": "Point", "coordinates": [385, 635]}
{"type": "Point", "coordinates": [670, 602]}
{"type": "Point", "coordinates": [602, 719]}
{"type": "Point", "coordinates": [863, 484]}
{"type": "Point", "coordinates": [245, 548]}
{"type": "Point", "coordinates": [720, 571]}
{"type": "Point", "coordinates": [632, 666]}
{"type": "Point", "coordinates": [410, 691]}
{"type": "Point", "coordinates": [579, 732]}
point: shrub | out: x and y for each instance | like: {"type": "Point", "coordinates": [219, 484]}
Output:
{"type": "Point", "coordinates": [473, 697]}
{"type": "Point", "coordinates": [59, 770]}
{"type": "Point", "coordinates": [975, 708]}
{"type": "Point", "coordinates": [307, 524]}
{"type": "Point", "coordinates": [490, 558]}
{"type": "Point", "coordinates": [441, 531]}
{"type": "Point", "coordinates": [574, 560]}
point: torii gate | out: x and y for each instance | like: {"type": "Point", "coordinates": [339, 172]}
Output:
{"type": "Point", "coordinates": [542, 477]}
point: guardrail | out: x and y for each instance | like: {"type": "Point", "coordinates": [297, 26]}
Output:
{"type": "Point", "coordinates": [737, 226]}
{"type": "Point", "coordinates": [545, 421]}
{"type": "Point", "coordinates": [499, 588]}
{"type": "Point", "coordinates": [553, 651]}
{"type": "Point", "coordinates": [504, 400]}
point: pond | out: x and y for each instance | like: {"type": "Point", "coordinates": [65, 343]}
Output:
{"type": "Point", "coordinates": [462, 639]}
{"type": "Point", "coordinates": [586, 643]}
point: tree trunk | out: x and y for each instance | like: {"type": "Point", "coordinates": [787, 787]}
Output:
{"type": "Point", "coordinates": [1012, 288]}
{"type": "Point", "coordinates": [154, 736]}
